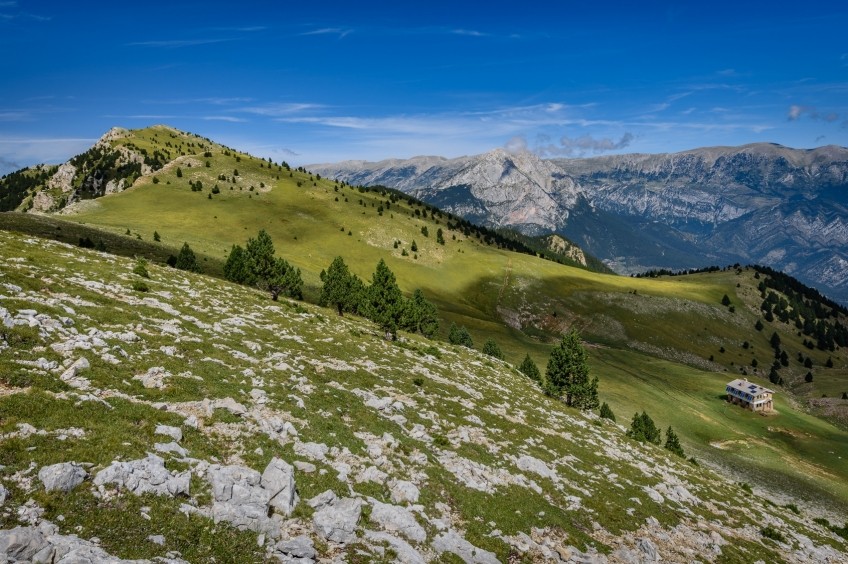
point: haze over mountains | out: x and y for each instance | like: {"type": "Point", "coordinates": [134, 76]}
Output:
{"type": "Point", "coordinates": [759, 203]}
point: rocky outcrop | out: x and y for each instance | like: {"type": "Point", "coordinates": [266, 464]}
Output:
{"type": "Point", "coordinates": [146, 475]}
{"type": "Point", "coordinates": [62, 477]}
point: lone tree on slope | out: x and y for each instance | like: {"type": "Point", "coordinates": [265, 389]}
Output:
{"type": "Point", "coordinates": [567, 376]}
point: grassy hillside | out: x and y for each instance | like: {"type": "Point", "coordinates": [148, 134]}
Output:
{"type": "Point", "coordinates": [489, 466]}
{"type": "Point", "coordinates": [657, 342]}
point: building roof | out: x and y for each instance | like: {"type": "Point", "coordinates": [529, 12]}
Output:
{"type": "Point", "coordinates": [749, 387]}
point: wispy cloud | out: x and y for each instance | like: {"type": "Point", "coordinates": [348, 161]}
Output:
{"type": "Point", "coordinates": [583, 145]}
{"type": "Point", "coordinates": [230, 119]}
{"type": "Point", "coordinates": [15, 115]}
{"type": "Point", "coordinates": [469, 32]}
{"type": "Point", "coordinates": [796, 112]}
{"type": "Point", "coordinates": [173, 43]}
{"type": "Point", "coordinates": [340, 32]}
{"type": "Point", "coordinates": [279, 109]}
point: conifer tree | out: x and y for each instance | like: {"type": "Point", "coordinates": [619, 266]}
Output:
{"type": "Point", "coordinates": [260, 260]}
{"type": "Point", "coordinates": [338, 287]}
{"type": "Point", "coordinates": [460, 336]}
{"type": "Point", "coordinates": [491, 348]}
{"type": "Point", "coordinates": [284, 279]}
{"type": "Point", "coordinates": [420, 315]}
{"type": "Point", "coordinates": [385, 303]}
{"type": "Point", "coordinates": [643, 429]}
{"type": "Point", "coordinates": [236, 269]}
{"type": "Point", "coordinates": [606, 412]}
{"type": "Point", "coordinates": [186, 259]}
{"type": "Point", "coordinates": [672, 443]}
{"type": "Point", "coordinates": [529, 369]}
{"type": "Point", "coordinates": [567, 375]}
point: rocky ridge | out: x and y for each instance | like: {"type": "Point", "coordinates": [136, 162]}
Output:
{"type": "Point", "coordinates": [759, 203]}
{"type": "Point", "coordinates": [299, 436]}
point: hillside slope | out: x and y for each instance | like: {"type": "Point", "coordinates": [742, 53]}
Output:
{"type": "Point", "coordinates": [759, 203]}
{"type": "Point", "coordinates": [254, 410]}
{"type": "Point", "coordinates": [659, 343]}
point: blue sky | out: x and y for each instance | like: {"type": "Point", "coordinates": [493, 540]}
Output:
{"type": "Point", "coordinates": [315, 82]}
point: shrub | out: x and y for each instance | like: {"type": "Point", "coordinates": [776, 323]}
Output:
{"type": "Point", "coordinates": [771, 533]}
{"type": "Point", "coordinates": [491, 348]}
{"type": "Point", "coordinates": [140, 268]}
{"type": "Point", "coordinates": [140, 286]}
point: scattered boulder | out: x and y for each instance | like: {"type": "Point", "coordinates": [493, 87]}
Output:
{"type": "Point", "coordinates": [146, 475]}
{"type": "Point", "coordinates": [314, 451]}
{"type": "Point", "coordinates": [174, 432]}
{"type": "Point", "coordinates": [153, 378]}
{"type": "Point", "coordinates": [172, 448]}
{"type": "Point", "coordinates": [393, 518]}
{"type": "Point", "coordinates": [63, 477]}
{"type": "Point", "coordinates": [403, 491]}
{"type": "Point", "coordinates": [71, 375]}
{"type": "Point", "coordinates": [4, 493]}
{"type": "Point", "coordinates": [405, 553]}
{"type": "Point", "coordinates": [278, 481]}
{"type": "Point", "coordinates": [336, 521]}
{"type": "Point", "coordinates": [648, 550]}
{"type": "Point", "coordinates": [24, 544]}
{"type": "Point", "coordinates": [452, 542]}
{"type": "Point", "coordinates": [531, 464]}
{"type": "Point", "coordinates": [298, 547]}
{"type": "Point", "coordinates": [324, 498]}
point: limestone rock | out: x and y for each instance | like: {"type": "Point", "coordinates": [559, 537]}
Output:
{"type": "Point", "coordinates": [393, 518]}
{"type": "Point", "coordinates": [278, 481]}
{"type": "Point", "coordinates": [71, 375]}
{"type": "Point", "coordinates": [171, 447]}
{"type": "Point", "coordinates": [298, 547]}
{"type": "Point", "coordinates": [403, 491]}
{"type": "Point", "coordinates": [145, 475]}
{"type": "Point", "coordinates": [405, 553]}
{"type": "Point", "coordinates": [314, 451]}
{"type": "Point", "coordinates": [452, 542]}
{"type": "Point", "coordinates": [63, 477]}
{"type": "Point", "coordinates": [174, 432]}
{"type": "Point", "coordinates": [22, 544]}
{"type": "Point", "coordinates": [336, 521]}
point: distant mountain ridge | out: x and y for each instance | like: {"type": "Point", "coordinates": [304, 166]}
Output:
{"type": "Point", "coordinates": [760, 203]}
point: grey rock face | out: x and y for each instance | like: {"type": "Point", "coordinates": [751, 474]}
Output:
{"type": "Point", "coordinates": [298, 547]}
{"type": "Point", "coordinates": [455, 544]}
{"type": "Point", "coordinates": [146, 475]}
{"type": "Point", "coordinates": [64, 476]}
{"type": "Point", "coordinates": [397, 519]}
{"type": "Point", "coordinates": [21, 544]}
{"type": "Point", "coordinates": [403, 491]}
{"type": "Point", "coordinates": [406, 554]}
{"type": "Point", "coordinates": [174, 432]}
{"type": "Point", "coordinates": [278, 481]}
{"type": "Point", "coordinates": [336, 521]}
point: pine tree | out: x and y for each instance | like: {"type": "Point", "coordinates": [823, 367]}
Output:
{"type": "Point", "coordinates": [338, 287]}
{"type": "Point", "coordinates": [643, 429]}
{"type": "Point", "coordinates": [567, 375]}
{"type": "Point", "coordinates": [529, 369]}
{"type": "Point", "coordinates": [491, 348]}
{"type": "Point", "coordinates": [260, 260]}
{"type": "Point", "coordinates": [420, 315]}
{"type": "Point", "coordinates": [606, 412]}
{"type": "Point", "coordinates": [156, 236]}
{"type": "Point", "coordinates": [236, 269]}
{"type": "Point", "coordinates": [284, 279]}
{"type": "Point", "coordinates": [460, 336]}
{"type": "Point", "coordinates": [759, 325]}
{"type": "Point", "coordinates": [440, 238]}
{"type": "Point", "coordinates": [385, 303]}
{"type": "Point", "coordinates": [186, 259]}
{"type": "Point", "coordinates": [725, 300]}
{"type": "Point", "coordinates": [672, 443]}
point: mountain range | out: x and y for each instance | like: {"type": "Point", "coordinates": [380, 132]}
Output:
{"type": "Point", "coordinates": [761, 203]}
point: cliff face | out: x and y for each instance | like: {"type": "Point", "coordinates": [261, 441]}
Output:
{"type": "Point", "coordinates": [761, 203]}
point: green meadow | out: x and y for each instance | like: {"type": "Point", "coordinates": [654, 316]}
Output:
{"type": "Point", "coordinates": [666, 345]}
